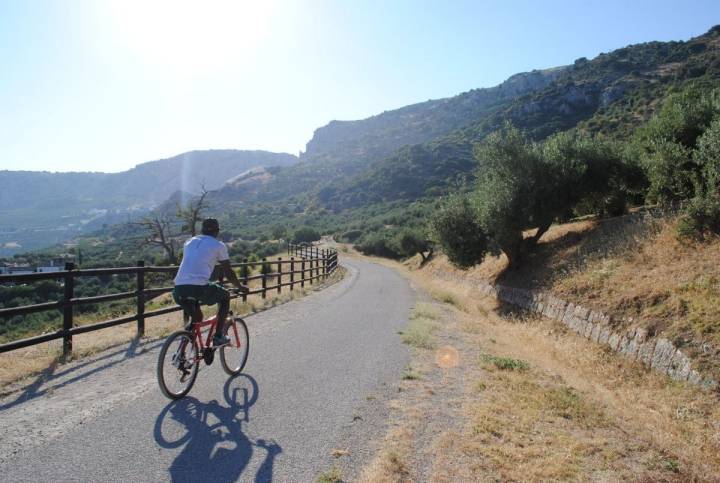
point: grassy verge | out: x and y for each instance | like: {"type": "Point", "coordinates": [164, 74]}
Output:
{"type": "Point", "coordinates": [633, 268]}
{"type": "Point", "coordinates": [526, 400]}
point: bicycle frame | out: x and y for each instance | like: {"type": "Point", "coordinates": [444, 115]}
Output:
{"type": "Point", "coordinates": [212, 323]}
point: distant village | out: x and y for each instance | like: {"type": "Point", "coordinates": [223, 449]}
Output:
{"type": "Point", "coordinates": [19, 268]}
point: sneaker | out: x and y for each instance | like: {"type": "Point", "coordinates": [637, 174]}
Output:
{"type": "Point", "coordinates": [220, 340]}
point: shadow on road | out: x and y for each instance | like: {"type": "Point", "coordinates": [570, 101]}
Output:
{"type": "Point", "coordinates": [49, 379]}
{"type": "Point", "coordinates": [214, 445]}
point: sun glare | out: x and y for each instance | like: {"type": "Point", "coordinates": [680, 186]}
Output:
{"type": "Point", "coordinates": [191, 34]}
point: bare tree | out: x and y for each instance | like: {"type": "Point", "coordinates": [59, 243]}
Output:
{"type": "Point", "coordinates": [192, 213]}
{"type": "Point", "coordinates": [159, 232]}
{"type": "Point", "coordinates": [162, 228]}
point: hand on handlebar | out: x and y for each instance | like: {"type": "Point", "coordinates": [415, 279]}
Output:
{"type": "Point", "coordinates": [242, 289]}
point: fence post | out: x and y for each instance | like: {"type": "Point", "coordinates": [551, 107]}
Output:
{"type": "Point", "coordinates": [302, 268]}
{"type": "Point", "coordinates": [292, 273]}
{"type": "Point", "coordinates": [264, 277]}
{"type": "Point", "coordinates": [245, 278]}
{"type": "Point", "coordinates": [312, 269]}
{"type": "Point", "coordinates": [279, 278]}
{"type": "Point", "coordinates": [68, 294]}
{"type": "Point", "coordinates": [140, 299]}
{"type": "Point", "coordinates": [325, 264]}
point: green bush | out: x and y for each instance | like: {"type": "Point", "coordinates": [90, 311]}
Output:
{"type": "Point", "coordinates": [708, 157]}
{"type": "Point", "coordinates": [457, 231]}
{"type": "Point", "coordinates": [412, 242]}
{"type": "Point", "coordinates": [306, 235]}
{"type": "Point", "coordinates": [378, 245]}
{"type": "Point", "coordinates": [700, 218]}
{"type": "Point", "coordinates": [352, 235]}
{"type": "Point", "coordinates": [279, 232]}
{"type": "Point", "coordinates": [667, 145]}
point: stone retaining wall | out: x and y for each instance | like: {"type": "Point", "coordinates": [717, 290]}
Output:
{"type": "Point", "coordinates": [655, 352]}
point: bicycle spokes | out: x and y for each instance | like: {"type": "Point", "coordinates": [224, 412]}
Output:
{"type": "Point", "coordinates": [177, 365]}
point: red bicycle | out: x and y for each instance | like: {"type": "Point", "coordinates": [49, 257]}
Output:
{"type": "Point", "coordinates": [183, 350]}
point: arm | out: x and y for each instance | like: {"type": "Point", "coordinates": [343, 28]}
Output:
{"type": "Point", "coordinates": [230, 275]}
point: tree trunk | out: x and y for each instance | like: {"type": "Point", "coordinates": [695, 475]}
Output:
{"type": "Point", "coordinates": [514, 253]}
{"type": "Point", "coordinates": [517, 251]}
{"type": "Point", "coordinates": [542, 229]}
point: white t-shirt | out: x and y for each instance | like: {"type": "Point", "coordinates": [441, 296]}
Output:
{"type": "Point", "coordinates": [200, 255]}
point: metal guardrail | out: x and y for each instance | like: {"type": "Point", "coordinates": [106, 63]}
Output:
{"type": "Point", "coordinates": [311, 265]}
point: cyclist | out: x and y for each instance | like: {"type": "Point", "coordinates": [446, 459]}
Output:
{"type": "Point", "coordinates": [200, 255]}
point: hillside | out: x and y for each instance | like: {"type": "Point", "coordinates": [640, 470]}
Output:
{"type": "Point", "coordinates": [40, 208]}
{"type": "Point", "coordinates": [610, 95]}
{"type": "Point", "coordinates": [632, 268]}
{"type": "Point", "coordinates": [380, 135]}
{"type": "Point", "coordinates": [344, 148]}
{"type": "Point", "coordinates": [426, 149]}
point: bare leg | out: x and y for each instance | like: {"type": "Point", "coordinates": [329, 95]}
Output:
{"type": "Point", "coordinates": [223, 310]}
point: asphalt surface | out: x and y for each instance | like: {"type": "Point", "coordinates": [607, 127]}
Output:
{"type": "Point", "coordinates": [315, 364]}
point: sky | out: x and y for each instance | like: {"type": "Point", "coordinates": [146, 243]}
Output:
{"type": "Point", "coordinates": [104, 85]}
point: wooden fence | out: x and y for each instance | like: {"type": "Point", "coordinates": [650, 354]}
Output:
{"type": "Point", "coordinates": [306, 265]}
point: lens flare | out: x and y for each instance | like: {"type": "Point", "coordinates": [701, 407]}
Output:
{"type": "Point", "coordinates": [447, 357]}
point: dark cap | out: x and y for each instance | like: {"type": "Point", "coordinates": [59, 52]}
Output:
{"type": "Point", "coordinates": [210, 225]}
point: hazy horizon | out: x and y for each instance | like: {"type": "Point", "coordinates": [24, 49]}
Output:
{"type": "Point", "coordinates": [103, 87]}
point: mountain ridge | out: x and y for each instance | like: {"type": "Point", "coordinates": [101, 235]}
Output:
{"type": "Point", "coordinates": [40, 207]}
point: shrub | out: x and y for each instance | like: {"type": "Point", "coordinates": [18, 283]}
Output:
{"type": "Point", "coordinates": [708, 157]}
{"type": "Point", "coordinates": [352, 235]}
{"type": "Point", "coordinates": [412, 242]}
{"type": "Point", "coordinates": [457, 231]}
{"type": "Point", "coordinates": [380, 246]}
{"type": "Point", "coordinates": [306, 234]}
{"type": "Point", "coordinates": [700, 218]}
{"type": "Point", "coordinates": [505, 363]}
{"type": "Point", "coordinates": [266, 268]}
{"type": "Point", "coordinates": [279, 232]}
{"type": "Point", "coordinates": [667, 143]}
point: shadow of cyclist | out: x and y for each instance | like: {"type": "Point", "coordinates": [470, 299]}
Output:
{"type": "Point", "coordinates": [214, 445]}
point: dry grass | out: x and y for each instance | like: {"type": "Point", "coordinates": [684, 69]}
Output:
{"type": "Point", "coordinates": [390, 464]}
{"type": "Point", "coordinates": [333, 475]}
{"type": "Point", "coordinates": [33, 360]}
{"type": "Point", "coordinates": [600, 414]}
{"type": "Point", "coordinates": [425, 310]}
{"type": "Point", "coordinates": [633, 268]}
{"type": "Point", "coordinates": [418, 332]}
{"type": "Point", "coordinates": [538, 403]}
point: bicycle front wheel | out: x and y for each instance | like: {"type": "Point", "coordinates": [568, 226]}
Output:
{"type": "Point", "coordinates": [233, 356]}
{"type": "Point", "coordinates": [177, 366]}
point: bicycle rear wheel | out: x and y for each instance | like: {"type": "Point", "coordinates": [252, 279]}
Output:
{"type": "Point", "coordinates": [177, 366]}
{"type": "Point", "coordinates": [233, 356]}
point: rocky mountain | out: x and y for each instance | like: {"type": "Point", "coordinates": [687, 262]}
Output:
{"type": "Point", "coordinates": [342, 149]}
{"type": "Point", "coordinates": [425, 149]}
{"type": "Point", "coordinates": [379, 136]}
{"type": "Point", "coordinates": [610, 95]}
{"type": "Point", "coordinates": [39, 208]}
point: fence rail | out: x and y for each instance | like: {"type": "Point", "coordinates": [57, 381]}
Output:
{"type": "Point", "coordinates": [306, 264]}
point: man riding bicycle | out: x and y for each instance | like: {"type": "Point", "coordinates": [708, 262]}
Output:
{"type": "Point", "coordinates": [200, 255]}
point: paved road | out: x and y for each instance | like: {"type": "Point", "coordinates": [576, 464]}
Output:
{"type": "Point", "coordinates": [313, 365]}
